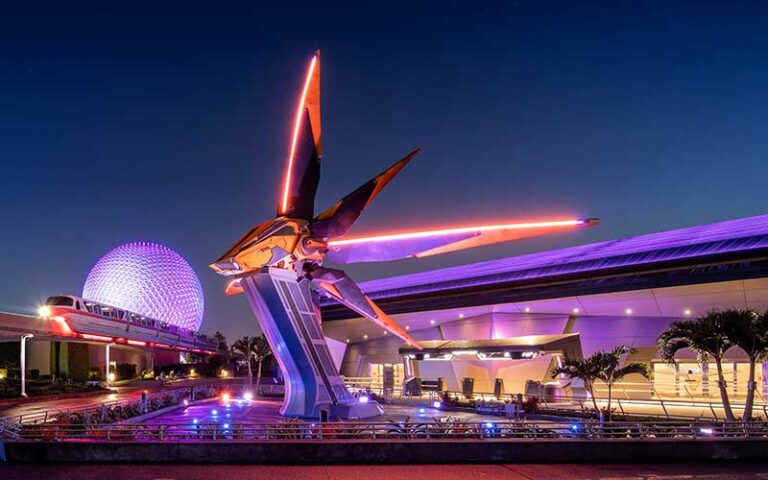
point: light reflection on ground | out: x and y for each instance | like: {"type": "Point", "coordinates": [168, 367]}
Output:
{"type": "Point", "coordinates": [268, 411]}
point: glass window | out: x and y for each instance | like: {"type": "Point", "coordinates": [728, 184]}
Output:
{"type": "Point", "coordinates": [60, 301]}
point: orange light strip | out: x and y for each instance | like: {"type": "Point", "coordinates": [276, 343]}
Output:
{"type": "Point", "coordinates": [296, 128]}
{"type": "Point", "coordinates": [100, 338]}
{"type": "Point", "coordinates": [136, 342]}
{"type": "Point", "coordinates": [451, 231]}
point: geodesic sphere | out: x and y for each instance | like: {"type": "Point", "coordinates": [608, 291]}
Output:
{"type": "Point", "coordinates": [148, 279]}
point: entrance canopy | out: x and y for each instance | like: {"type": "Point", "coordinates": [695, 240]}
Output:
{"type": "Point", "coordinates": [512, 348]}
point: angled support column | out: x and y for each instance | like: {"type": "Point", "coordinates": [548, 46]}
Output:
{"type": "Point", "coordinates": [289, 318]}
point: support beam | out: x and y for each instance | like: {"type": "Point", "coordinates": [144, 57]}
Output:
{"type": "Point", "coordinates": [106, 370]}
{"type": "Point", "coordinates": [24, 364]}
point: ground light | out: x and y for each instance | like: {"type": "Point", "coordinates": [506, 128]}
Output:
{"type": "Point", "coordinates": [225, 397]}
{"type": "Point", "coordinates": [248, 396]}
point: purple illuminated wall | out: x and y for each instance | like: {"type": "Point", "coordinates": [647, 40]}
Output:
{"type": "Point", "coordinates": [148, 279]}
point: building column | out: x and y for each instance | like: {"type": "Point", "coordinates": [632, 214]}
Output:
{"type": "Point", "coordinates": [735, 379]}
{"type": "Point", "coordinates": [765, 379]}
{"type": "Point", "coordinates": [677, 379]}
{"type": "Point", "coordinates": [23, 356]}
{"type": "Point", "coordinates": [705, 379]}
{"type": "Point", "coordinates": [106, 370]}
{"type": "Point", "coordinates": [151, 361]}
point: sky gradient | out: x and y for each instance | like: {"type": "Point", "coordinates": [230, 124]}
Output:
{"type": "Point", "coordinates": [172, 123]}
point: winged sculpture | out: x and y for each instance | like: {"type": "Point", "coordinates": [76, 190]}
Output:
{"type": "Point", "coordinates": [300, 240]}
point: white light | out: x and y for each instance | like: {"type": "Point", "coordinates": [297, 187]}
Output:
{"type": "Point", "coordinates": [527, 309]}
{"type": "Point", "coordinates": [226, 425]}
{"type": "Point", "coordinates": [437, 404]}
{"type": "Point", "coordinates": [194, 420]}
{"type": "Point", "coordinates": [215, 412]}
{"type": "Point", "coordinates": [365, 337]}
{"type": "Point", "coordinates": [111, 377]}
{"type": "Point", "coordinates": [687, 312]}
{"type": "Point", "coordinates": [407, 327]}
{"type": "Point", "coordinates": [363, 399]}
{"type": "Point", "coordinates": [347, 340]}
{"type": "Point", "coordinates": [385, 332]}
{"type": "Point", "coordinates": [44, 311]}
{"type": "Point", "coordinates": [488, 425]}
{"type": "Point", "coordinates": [528, 354]}
{"type": "Point", "coordinates": [431, 322]}
{"type": "Point", "coordinates": [464, 352]}
{"type": "Point", "coordinates": [461, 315]}
{"type": "Point", "coordinates": [426, 356]}
{"type": "Point", "coordinates": [447, 356]}
{"type": "Point", "coordinates": [248, 396]}
{"type": "Point", "coordinates": [628, 311]}
{"type": "Point", "coordinates": [507, 355]}
{"type": "Point", "coordinates": [575, 310]}
{"type": "Point", "coordinates": [186, 402]}
{"type": "Point", "coordinates": [707, 431]}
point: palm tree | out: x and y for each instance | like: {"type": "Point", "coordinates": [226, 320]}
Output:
{"type": "Point", "coordinates": [581, 369]}
{"type": "Point", "coordinates": [253, 349]}
{"type": "Point", "coordinates": [261, 351]}
{"type": "Point", "coordinates": [749, 331]}
{"type": "Point", "coordinates": [608, 370]}
{"type": "Point", "coordinates": [221, 340]}
{"type": "Point", "coordinates": [706, 337]}
{"type": "Point", "coordinates": [244, 346]}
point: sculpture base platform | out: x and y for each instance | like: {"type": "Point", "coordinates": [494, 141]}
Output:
{"type": "Point", "coordinates": [290, 319]}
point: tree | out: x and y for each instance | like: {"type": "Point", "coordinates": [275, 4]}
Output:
{"type": "Point", "coordinates": [221, 340]}
{"type": "Point", "coordinates": [600, 366]}
{"type": "Point", "coordinates": [253, 349]}
{"type": "Point", "coordinates": [261, 351]}
{"type": "Point", "coordinates": [581, 369]}
{"type": "Point", "coordinates": [706, 337]}
{"type": "Point", "coordinates": [749, 331]}
{"type": "Point", "coordinates": [606, 364]}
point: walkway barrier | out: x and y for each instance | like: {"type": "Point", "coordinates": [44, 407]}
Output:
{"type": "Point", "coordinates": [96, 409]}
{"type": "Point", "coordinates": [426, 430]}
{"type": "Point", "coordinates": [668, 409]}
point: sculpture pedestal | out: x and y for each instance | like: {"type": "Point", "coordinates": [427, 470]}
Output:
{"type": "Point", "coordinates": [290, 320]}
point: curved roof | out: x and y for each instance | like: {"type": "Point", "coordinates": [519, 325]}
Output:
{"type": "Point", "coordinates": [703, 241]}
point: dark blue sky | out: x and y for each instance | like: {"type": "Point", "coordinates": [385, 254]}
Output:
{"type": "Point", "coordinates": [171, 124]}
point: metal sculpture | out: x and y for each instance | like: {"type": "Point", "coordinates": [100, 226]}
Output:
{"type": "Point", "coordinates": [276, 262]}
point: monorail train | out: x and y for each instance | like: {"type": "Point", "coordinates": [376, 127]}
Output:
{"type": "Point", "coordinates": [96, 321]}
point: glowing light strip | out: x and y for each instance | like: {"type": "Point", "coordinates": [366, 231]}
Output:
{"type": "Point", "coordinates": [136, 342]}
{"type": "Point", "coordinates": [451, 231]}
{"type": "Point", "coordinates": [88, 336]}
{"type": "Point", "coordinates": [296, 128]}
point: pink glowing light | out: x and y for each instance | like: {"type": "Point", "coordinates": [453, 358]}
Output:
{"type": "Point", "coordinates": [458, 230]}
{"type": "Point", "coordinates": [296, 129]}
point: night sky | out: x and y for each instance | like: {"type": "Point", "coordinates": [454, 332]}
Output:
{"type": "Point", "coordinates": [171, 123]}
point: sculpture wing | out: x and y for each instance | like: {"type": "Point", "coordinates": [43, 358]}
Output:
{"type": "Point", "coordinates": [377, 248]}
{"type": "Point", "coordinates": [337, 220]}
{"type": "Point", "coordinates": [302, 172]}
{"type": "Point", "coordinates": [346, 291]}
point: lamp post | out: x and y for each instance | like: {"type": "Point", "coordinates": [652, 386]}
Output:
{"type": "Point", "coordinates": [106, 371]}
{"type": "Point", "coordinates": [24, 364]}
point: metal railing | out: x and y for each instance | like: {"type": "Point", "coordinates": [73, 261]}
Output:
{"type": "Point", "coordinates": [44, 416]}
{"type": "Point", "coordinates": [379, 431]}
{"type": "Point", "coordinates": [670, 409]}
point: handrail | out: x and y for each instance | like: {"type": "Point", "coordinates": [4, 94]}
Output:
{"type": "Point", "coordinates": [49, 415]}
{"type": "Point", "coordinates": [372, 431]}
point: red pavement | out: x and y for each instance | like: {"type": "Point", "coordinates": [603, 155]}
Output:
{"type": "Point", "coordinates": [390, 472]}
